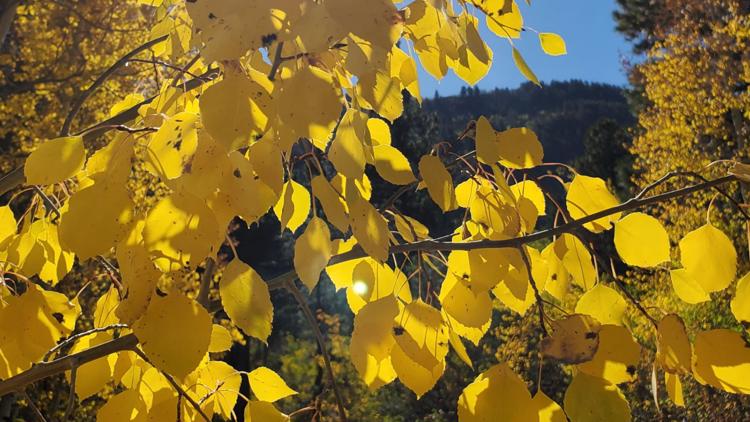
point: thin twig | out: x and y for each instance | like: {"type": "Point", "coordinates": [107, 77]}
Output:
{"type": "Point", "coordinates": [292, 288]}
{"type": "Point", "coordinates": [206, 279]}
{"type": "Point", "coordinates": [37, 413]}
{"type": "Point", "coordinates": [73, 338]}
{"type": "Point", "coordinates": [72, 394]}
{"type": "Point", "coordinates": [537, 295]}
{"type": "Point", "coordinates": [276, 62]}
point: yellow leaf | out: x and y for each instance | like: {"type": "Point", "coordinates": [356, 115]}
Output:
{"type": "Point", "coordinates": [380, 133]}
{"type": "Point", "coordinates": [372, 341]}
{"type": "Point", "coordinates": [459, 348]}
{"type": "Point", "coordinates": [381, 92]}
{"type": "Point", "coordinates": [439, 182]}
{"type": "Point", "coordinates": [218, 386]}
{"type": "Point", "coordinates": [234, 110]}
{"type": "Point", "coordinates": [740, 304]}
{"type": "Point", "coordinates": [7, 223]}
{"type": "Point", "coordinates": [524, 68]}
{"type": "Point", "coordinates": [267, 385]}
{"type": "Point", "coordinates": [221, 339]}
{"type": "Point", "coordinates": [673, 350]}
{"type": "Point", "coordinates": [687, 288]}
{"type": "Point", "coordinates": [497, 394]}
{"type": "Point", "coordinates": [369, 228]}
{"type": "Point", "coordinates": [574, 339]}
{"type": "Point", "coordinates": [260, 411]}
{"type": "Point", "coordinates": [604, 304]}
{"type": "Point", "coordinates": [92, 377]}
{"type": "Point", "coordinates": [293, 206]}
{"type": "Point", "coordinates": [333, 204]}
{"type": "Point", "coordinates": [55, 160]}
{"type": "Point", "coordinates": [347, 151]}
{"type": "Point", "coordinates": [576, 259]}
{"type": "Point", "coordinates": [674, 389]}
{"type": "Point", "coordinates": [474, 56]}
{"type": "Point", "coordinates": [392, 165]}
{"type": "Point", "coordinates": [530, 190]}
{"type": "Point", "coordinates": [139, 279]}
{"type": "Point", "coordinates": [174, 333]}
{"type": "Point", "coordinates": [467, 306]}
{"type": "Point", "coordinates": [641, 240]}
{"type": "Point", "coordinates": [486, 141]}
{"type": "Point", "coordinates": [552, 44]}
{"type": "Point", "coordinates": [709, 257]}
{"type": "Point", "coordinates": [503, 22]}
{"type": "Point", "coordinates": [519, 148]}
{"type": "Point", "coordinates": [587, 196]}
{"type": "Point", "coordinates": [172, 147]}
{"type": "Point", "coordinates": [312, 251]}
{"type": "Point", "coordinates": [313, 115]}
{"type": "Point", "coordinates": [617, 356]}
{"type": "Point", "coordinates": [180, 231]}
{"type": "Point", "coordinates": [123, 407]}
{"type": "Point", "coordinates": [409, 228]}
{"type": "Point", "coordinates": [30, 325]}
{"type": "Point", "coordinates": [246, 300]}
{"type": "Point", "coordinates": [112, 162]}
{"type": "Point", "coordinates": [592, 399]}
{"type": "Point", "coordinates": [721, 359]}
{"type": "Point", "coordinates": [88, 233]}
{"type": "Point", "coordinates": [244, 191]}
{"type": "Point", "coordinates": [548, 410]}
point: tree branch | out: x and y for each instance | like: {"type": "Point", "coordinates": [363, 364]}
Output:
{"type": "Point", "coordinates": [76, 107]}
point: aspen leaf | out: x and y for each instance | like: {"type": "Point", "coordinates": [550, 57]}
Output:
{"type": "Point", "coordinates": [268, 386]}
{"type": "Point", "coordinates": [221, 339]}
{"type": "Point", "coordinates": [460, 349]}
{"type": "Point", "coordinates": [709, 257]}
{"type": "Point", "coordinates": [127, 406]}
{"type": "Point", "coordinates": [293, 206]}
{"type": "Point", "coordinates": [369, 228]}
{"type": "Point", "coordinates": [548, 410]}
{"type": "Point", "coordinates": [641, 240]}
{"type": "Point", "coordinates": [673, 350]}
{"type": "Point", "coordinates": [180, 231]}
{"type": "Point", "coordinates": [604, 304]}
{"type": "Point", "coordinates": [486, 141]}
{"type": "Point", "coordinates": [218, 386]}
{"type": "Point", "coordinates": [552, 44]}
{"type": "Point", "coordinates": [687, 288]}
{"type": "Point", "coordinates": [372, 341]}
{"type": "Point", "coordinates": [139, 280]}
{"type": "Point", "coordinates": [439, 182]}
{"type": "Point", "coordinates": [471, 308]}
{"type": "Point", "coordinates": [376, 21]}
{"type": "Point", "coordinates": [530, 190]}
{"type": "Point", "coordinates": [617, 356]}
{"type": "Point", "coordinates": [7, 223]}
{"type": "Point", "coordinates": [524, 68]}
{"type": "Point", "coordinates": [92, 377]}
{"type": "Point", "coordinates": [380, 133]}
{"type": "Point", "coordinates": [740, 304]}
{"type": "Point", "coordinates": [313, 115]}
{"type": "Point", "coordinates": [333, 204]}
{"type": "Point", "coordinates": [721, 359]}
{"type": "Point", "coordinates": [381, 92]}
{"type": "Point", "coordinates": [576, 259]}
{"type": "Point", "coordinates": [497, 394]}
{"type": "Point", "coordinates": [589, 195]}
{"type": "Point", "coordinates": [244, 191]}
{"type": "Point", "coordinates": [474, 56]}
{"type": "Point", "coordinates": [347, 151]}
{"type": "Point", "coordinates": [260, 411]}
{"type": "Point", "coordinates": [413, 375]}
{"type": "Point", "coordinates": [312, 251]}
{"type": "Point", "coordinates": [235, 110]}
{"type": "Point", "coordinates": [674, 389]}
{"type": "Point", "coordinates": [409, 228]}
{"type": "Point", "coordinates": [89, 234]}
{"type": "Point", "coordinates": [593, 399]}
{"type": "Point", "coordinates": [392, 165]}
{"type": "Point", "coordinates": [574, 339]}
{"type": "Point", "coordinates": [519, 148]}
{"type": "Point", "coordinates": [174, 333]}
{"type": "Point", "coordinates": [55, 160]}
{"type": "Point", "coordinates": [172, 147]}
{"type": "Point", "coordinates": [30, 325]}
{"type": "Point", "coordinates": [246, 300]}
{"type": "Point", "coordinates": [503, 22]}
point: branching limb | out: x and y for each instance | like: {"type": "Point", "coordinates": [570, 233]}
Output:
{"type": "Point", "coordinates": [72, 339]}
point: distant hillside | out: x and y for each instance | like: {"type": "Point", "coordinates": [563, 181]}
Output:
{"type": "Point", "coordinates": [560, 113]}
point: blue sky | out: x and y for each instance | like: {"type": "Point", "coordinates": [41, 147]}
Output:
{"type": "Point", "coordinates": [595, 49]}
